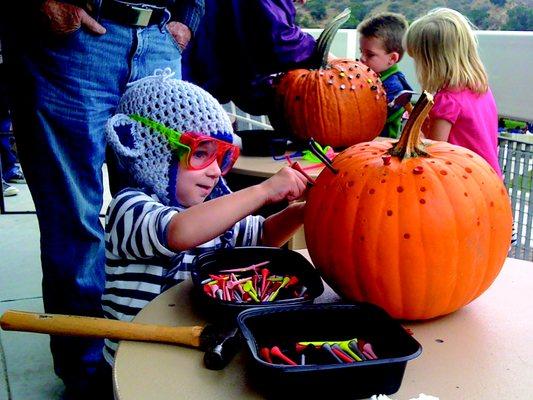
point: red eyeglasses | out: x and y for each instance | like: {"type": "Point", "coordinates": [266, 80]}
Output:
{"type": "Point", "coordinates": [201, 150]}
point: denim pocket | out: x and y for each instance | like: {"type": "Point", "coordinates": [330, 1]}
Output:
{"type": "Point", "coordinates": [172, 40]}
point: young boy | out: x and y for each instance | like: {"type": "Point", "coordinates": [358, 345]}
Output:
{"type": "Point", "coordinates": [176, 141]}
{"type": "Point", "coordinates": [380, 43]}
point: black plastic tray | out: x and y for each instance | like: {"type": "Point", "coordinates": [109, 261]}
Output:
{"type": "Point", "coordinates": [284, 326]}
{"type": "Point", "coordinates": [282, 261]}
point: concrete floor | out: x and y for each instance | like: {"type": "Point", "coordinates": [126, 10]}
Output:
{"type": "Point", "coordinates": [26, 371]}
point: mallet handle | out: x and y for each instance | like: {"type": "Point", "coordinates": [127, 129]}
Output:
{"type": "Point", "coordinates": [72, 325]}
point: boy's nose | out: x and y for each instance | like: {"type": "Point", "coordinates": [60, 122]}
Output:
{"type": "Point", "coordinates": [213, 170]}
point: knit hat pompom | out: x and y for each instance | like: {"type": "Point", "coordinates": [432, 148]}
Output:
{"type": "Point", "coordinates": [177, 105]}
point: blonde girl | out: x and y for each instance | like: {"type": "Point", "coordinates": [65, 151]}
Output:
{"type": "Point", "coordinates": [444, 48]}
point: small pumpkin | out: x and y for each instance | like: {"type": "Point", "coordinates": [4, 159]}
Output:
{"type": "Point", "coordinates": [418, 228]}
{"type": "Point", "coordinates": [338, 103]}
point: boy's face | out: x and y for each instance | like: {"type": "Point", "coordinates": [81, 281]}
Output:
{"type": "Point", "coordinates": [374, 55]}
{"type": "Point", "coordinates": [193, 186]}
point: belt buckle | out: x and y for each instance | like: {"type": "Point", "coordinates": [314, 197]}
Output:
{"type": "Point", "coordinates": [143, 16]}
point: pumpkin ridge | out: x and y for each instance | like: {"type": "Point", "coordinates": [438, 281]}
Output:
{"type": "Point", "coordinates": [470, 288]}
{"type": "Point", "coordinates": [322, 236]}
{"type": "Point", "coordinates": [489, 275]}
{"type": "Point", "coordinates": [359, 248]}
{"type": "Point", "coordinates": [422, 285]}
{"type": "Point", "coordinates": [340, 107]}
{"type": "Point", "coordinates": [300, 86]}
{"type": "Point", "coordinates": [392, 202]}
{"type": "Point", "coordinates": [319, 111]}
{"type": "Point", "coordinates": [453, 256]}
{"type": "Point", "coordinates": [302, 109]}
{"type": "Point", "coordinates": [359, 112]}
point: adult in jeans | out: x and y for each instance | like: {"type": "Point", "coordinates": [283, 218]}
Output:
{"type": "Point", "coordinates": [70, 62]}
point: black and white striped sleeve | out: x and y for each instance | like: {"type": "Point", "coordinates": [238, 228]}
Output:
{"type": "Point", "coordinates": [136, 227]}
{"type": "Point", "coordinates": [248, 231]}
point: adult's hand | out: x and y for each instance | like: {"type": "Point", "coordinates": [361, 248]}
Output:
{"type": "Point", "coordinates": [66, 18]}
{"type": "Point", "coordinates": [180, 32]}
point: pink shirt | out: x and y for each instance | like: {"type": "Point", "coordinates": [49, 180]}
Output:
{"type": "Point", "coordinates": [474, 120]}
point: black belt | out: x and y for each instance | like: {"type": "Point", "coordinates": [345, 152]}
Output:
{"type": "Point", "coordinates": [134, 14]}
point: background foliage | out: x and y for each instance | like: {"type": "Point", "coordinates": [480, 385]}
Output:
{"type": "Point", "coordinates": [510, 15]}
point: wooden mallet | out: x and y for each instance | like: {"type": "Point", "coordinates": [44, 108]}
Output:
{"type": "Point", "coordinates": [218, 343]}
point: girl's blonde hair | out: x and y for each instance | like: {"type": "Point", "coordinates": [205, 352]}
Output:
{"type": "Point", "coordinates": [444, 47]}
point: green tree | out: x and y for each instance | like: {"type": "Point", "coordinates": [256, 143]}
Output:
{"type": "Point", "coordinates": [478, 16]}
{"type": "Point", "coordinates": [520, 19]}
{"type": "Point", "coordinates": [304, 21]}
{"type": "Point", "coordinates": [317, 10]}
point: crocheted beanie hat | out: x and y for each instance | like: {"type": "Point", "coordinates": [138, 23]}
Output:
{"type": "Point", "coordinates": [176, 104]}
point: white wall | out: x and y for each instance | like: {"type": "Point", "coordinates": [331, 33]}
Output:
{"type": "Point", "coordinates": [507, 56]}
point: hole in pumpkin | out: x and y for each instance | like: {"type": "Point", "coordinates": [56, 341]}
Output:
{"type": "Point", "coordinates": [468, 169]}
{"type": "Point", "coordinates": [448, 162]}
{"type": "Point", "coordinates": [389, 212]}
{"type": "Point", "coordinates": [422, 201]}
{"type": "Point", "coordinates": [442, 172]}
{"type": "Point", "coordinates": [406, 236]}
{"type": "Point", "coordinates": [464, 176]}
{"type": "Point", "coordinates": [399, 189]}
{"type": "Point", "coordinates": [492, 204]}
{"type": "Point", "coordinates": [371, 191]}
{"type": "Point", "coordinates": [469, 155]}
{"type": "Point", "coordinates": [422, 189]}
{"type": "Point", "coordinates": [383, 181]}
{"type": "Point", "coordinates": [350, 184]}
{"type": "Point", "coordinates": [466, 194]}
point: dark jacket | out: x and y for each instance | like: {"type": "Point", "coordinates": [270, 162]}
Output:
{"type": "Point", "coordinates": [240, 44]}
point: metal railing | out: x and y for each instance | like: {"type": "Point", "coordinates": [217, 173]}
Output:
{"type": "Point", "coordinates": [516, 160]}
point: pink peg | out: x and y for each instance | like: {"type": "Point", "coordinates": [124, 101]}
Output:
{"type": "Point", "coordinates": [276, 352]}
{"type": "Point", "coordinates": [252, 267]}
{"type": "Point", "coordinates": [214, 289]}
{"type": "Point", "coordinates": [264, 276]}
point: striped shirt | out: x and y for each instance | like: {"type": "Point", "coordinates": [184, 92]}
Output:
{"type": "Point", "coordinates": [139, 264]}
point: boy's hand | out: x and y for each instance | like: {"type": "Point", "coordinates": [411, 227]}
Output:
{"type": "Point", "coordinates": [287, 184]}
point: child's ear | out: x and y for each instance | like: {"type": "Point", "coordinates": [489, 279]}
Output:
{"type": "Point", "coordinates": [394, 57]}
{"type": "Point", "coordinates": [123, 137]}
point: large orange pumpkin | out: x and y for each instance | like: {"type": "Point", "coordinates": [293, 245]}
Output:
{"type": "Point", "coordinates": [338, 103]}
{"type": "Point", "coordinates": [420, 229]}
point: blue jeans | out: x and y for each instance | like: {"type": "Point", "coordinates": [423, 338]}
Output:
{"type": "Point", "coordinates": [67, 88]}
{"type": "Point", "coordinates": [7, 156]}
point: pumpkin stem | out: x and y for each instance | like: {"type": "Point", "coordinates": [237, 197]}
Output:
{"type": "Point", "coordinates": [410, 144]}
{"type": "Point", "coordinates": [323, 43]}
